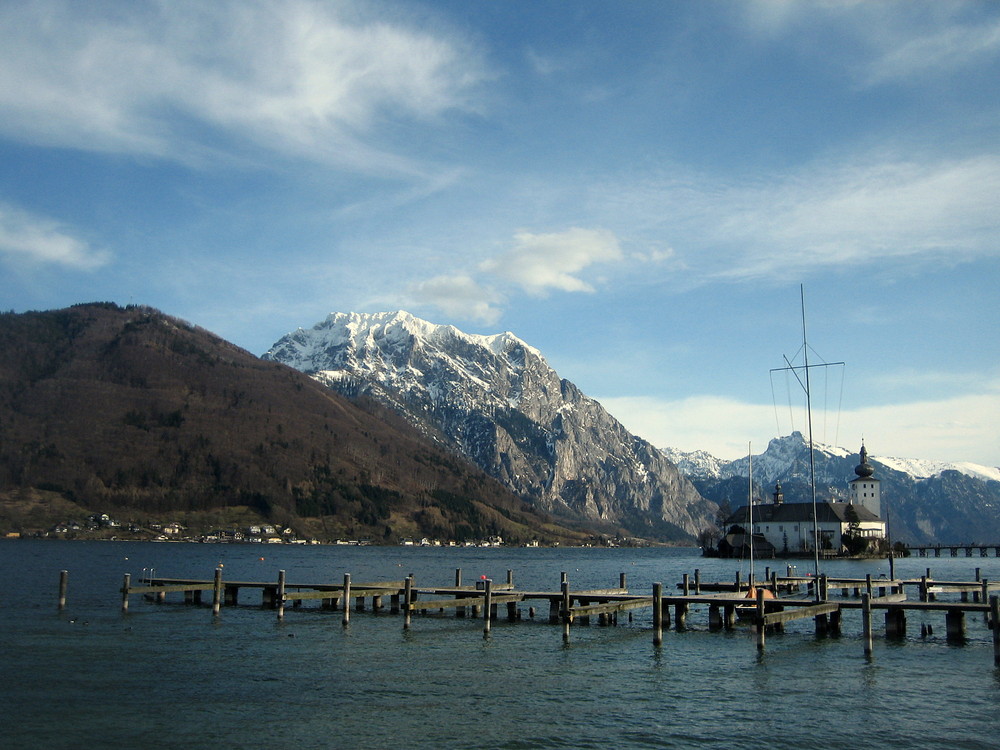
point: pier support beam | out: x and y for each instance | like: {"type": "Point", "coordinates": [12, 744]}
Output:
{"type": "Point", "coordinates": [657, 614]}
{"type": "Point", "coordinates": [125, 587]}
{"type": "Point", "coordinates": [866, 623]}
{"type": "Point", "coordinates": [714, 617]}
{"type": "Point", "coordinates": [487, 606]}
{"type": "Point", "coordinates": [955, 624]}
{"type": "Point", "coordinates": [280, 595]}
{"type": "Point", "coordinates": [63, 581]}
{"type": "Point", "coordinates": [895, 622]}
{"type": "Point", "coordinates": [995, 624]}
{"type": "Point", "coordinates": [346, 599]}
{"type": "Point", "coordinates": [217, 592]}
{"type": "Point", "coordinates": [407, 601]}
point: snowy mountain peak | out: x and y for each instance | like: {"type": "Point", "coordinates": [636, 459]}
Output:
{"type": "Point", "coordinates": [495, 400]}
{"type": "Point", "coordinates": [396, 333]}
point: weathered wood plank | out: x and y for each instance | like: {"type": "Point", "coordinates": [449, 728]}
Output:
{"type": "Point", "coordinates": [463, 601]}
{"type": "Point", "coordinates": [616, 606]}
{"type": "Point", "coordinates": [206, 586]}
{"type": "Point", "coordinates": [799, 613]}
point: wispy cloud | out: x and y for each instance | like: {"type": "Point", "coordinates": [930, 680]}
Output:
{"type": "Point", "coordinates": [459, 296]}
{"type": "Point", "coordinates": [535, 264]}
{"type": "Point", "coordinates": [26, 237]}
{"type": "Point", "coordinates": [539, 262]}
{"type": "Point", "coordinates": [853, 212]}
{"type": "Point", "coordinates": [940, 51]}
{"type": "Point", "coordinates": [313, 80]}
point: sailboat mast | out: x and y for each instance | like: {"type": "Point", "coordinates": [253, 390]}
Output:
{"type": "Point", "coordinates": [812, 458]}
{"type": "Point", "coordinates": [750, 506]}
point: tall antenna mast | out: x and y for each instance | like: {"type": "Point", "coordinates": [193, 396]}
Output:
{"type": "Point", "coordinates": [805, 384]}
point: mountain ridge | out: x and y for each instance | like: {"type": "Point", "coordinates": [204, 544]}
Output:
{"type": "Point", "coordinates": [497, 401]}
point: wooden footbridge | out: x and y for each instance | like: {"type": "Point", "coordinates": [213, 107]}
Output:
{"type": "Point", "coordinates": [727, 603]}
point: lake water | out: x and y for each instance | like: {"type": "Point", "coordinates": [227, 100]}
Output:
{"type": "Point", "coordinates": [165, 676]}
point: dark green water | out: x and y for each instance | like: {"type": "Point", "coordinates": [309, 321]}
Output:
{"type": "Point", "coordinates": [166, 676]}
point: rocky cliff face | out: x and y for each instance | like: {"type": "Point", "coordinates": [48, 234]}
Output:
{"type": "Point", "coordinates": [496, 400]}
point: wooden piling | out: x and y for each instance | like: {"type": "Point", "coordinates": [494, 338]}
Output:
{"type": "Point", "coordinates": [125, 587]}
{"type": "Point", "coordinates": [686, 585]}
{"type": "Point", "coordinates": [347, 599]}
{"type": "Point", "coordinates": [281, 595]}
{"type": "Point", "coordinates": [566, 616]}
{"type": "Point", "coordinates": [407, 601]}
{"type": "Point", "coordinates": [217, 592]}
{"type": "Point", "coordinates": [621, 581]}
{"type": "Point", "coordinates": [995, 624]}
{"type": "Point", "coordinates": [866, 623]}
{"type": "Point", "coordinates": [487, 606]}
{"type": "Point", "coordinates": [697, 581]}
{"type": "Point", "coordinates": [63, 585]}
{"type": "Point", "coordinates": [759, 620]}
{"type": "Point", "coordinates": [657, 614]}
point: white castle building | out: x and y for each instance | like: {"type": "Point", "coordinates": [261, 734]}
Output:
{"type": "Point", "coordinates": [787, 528]}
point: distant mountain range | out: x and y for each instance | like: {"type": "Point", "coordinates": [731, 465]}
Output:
{"type": "Point", "coordinates": [497, 401]}
{"type": "Point", "coordinates": [383, 426]}
{"type": "Point", "coordinates": [926, 502]}
{"type": "Point", "coordinates": [131, 412]}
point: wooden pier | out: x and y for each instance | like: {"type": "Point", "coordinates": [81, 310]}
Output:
{"type": "Point", "coordinates": [824, 600]}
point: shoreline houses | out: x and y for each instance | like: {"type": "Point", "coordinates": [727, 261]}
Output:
{"type": "Point", "coordinates": [779, 528]}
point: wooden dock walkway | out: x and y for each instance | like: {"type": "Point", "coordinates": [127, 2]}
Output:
{"type": "Point", "coordinates": [726, 603]}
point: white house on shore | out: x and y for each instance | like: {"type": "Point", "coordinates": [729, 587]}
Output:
{"type": "Point", "coordinates": [787, 528]}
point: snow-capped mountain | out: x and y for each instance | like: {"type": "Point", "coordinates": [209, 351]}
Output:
{"type": "Point", "coordinates": [496, 400]}
{"type": "Point", "coordinates": [926, 501]}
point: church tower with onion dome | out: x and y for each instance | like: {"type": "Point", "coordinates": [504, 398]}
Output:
{"type": "Point", "coordinates": [865, 489]}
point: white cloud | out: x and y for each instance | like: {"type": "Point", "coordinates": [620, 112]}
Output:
{"type": "Point", "coordinates": [950, 429]}
{"type": "Point", "coordinates": [459, 296]}
{"type": "Point", "coordinates": [863, 213]}
{"type": "Point", "coordinates": [540, 262]}
{"type": "Point", "coordinates": [299, 77]}
{"type": "Point", "coordinates": [941, 51]}
{"type": "Point", "coordinates": [27, 237]}
{"type": "Point", "coordinates": [851, 212]}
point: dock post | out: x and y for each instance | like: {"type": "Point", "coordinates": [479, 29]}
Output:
{"type": "Point", "coordinates": [459, 611]}
{"type": "Point", "coordinates": [729, 616]}
{"type": "Point", "coordinates": [347, 599]}
{"type": "Point", "coordinates": [407, 601]}
{"type": "Point", "coordinates": [759, 620]}
{"type": "Point", "coordinates": [986, 596]}
{"type": "Point", "coordinates": [895, 622]}
{"type": "Point", "coordinates": [125, 587]}
{"type": "Point", "coordinates": [566, 619]}
{"type": "Point", "coordinates": [487, 606]}
{"type": "Point", "coordinates": [714, 618]}
{"type": "Point", "coordinates": [923, 587]}
{"type": "Point", "coordinates": [738, 582]}
{"type": "Point", "coordinates": [217, 592]}
{"type": "Point", "coordinates": [892, 567]}
{"type": "Point", "coordinates": [621, 581]}
{"type": "Point", "coordinates": [280, 595]}
{"type": "Point", "coordinates": [686, 586]}
{"type": "Point", "coordinates": [824, 587]}
{"type": "Point", "coordinates": [63, 581]}
{"type": "Point", "coordinates": [955, 624]}
{"type": "Point", "coordinates": [868, 583]}
{"type": "Point", "coordinates": [995, 612]}
{"type": "Point", "coordinates": [697, 581]}
{"type": "Point", "coordinates": [680, 615]}
{"type": "Point", "coordinates": [657, 614]}
{"type": "Point", "coordinates": [510, 577]}
{"type": "Point", "coordinates": [866, 621]}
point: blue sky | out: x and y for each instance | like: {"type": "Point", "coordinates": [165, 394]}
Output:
{"type": "Point", "coordinates": [636, 189]}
